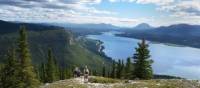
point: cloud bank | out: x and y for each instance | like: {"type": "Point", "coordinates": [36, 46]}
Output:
{"type": "Point", "coordinates": [84, 11]}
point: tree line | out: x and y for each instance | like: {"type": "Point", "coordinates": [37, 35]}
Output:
{"type": "Point", "coordinates": [18, 71]}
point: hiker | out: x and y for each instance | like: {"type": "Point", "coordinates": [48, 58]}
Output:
{"type": "Point", "coordinates": [76, 71]}
{"type": "Point", "coordinates": [86, 74]}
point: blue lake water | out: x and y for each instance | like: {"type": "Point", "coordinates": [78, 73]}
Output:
{"type": "Point", "coordinates": [168, 60]}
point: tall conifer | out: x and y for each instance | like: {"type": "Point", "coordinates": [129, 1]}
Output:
{"type": "Point", "coordinates": [128, 68]}
{"type": "Point", "coordinates": [113, 73]}
{"type": "Point", "coordinates": [9, 73]}
{"type": "Point", "coordinates": [142, 63]}
{"type": "Point", "coordinates": [104, 71]}
{"type": "Point", "coordinates": [50, 68]}
{"type": "Point", "coordinates": [27, 75]}
{"type": "Point", "coordinates": [119, 70]}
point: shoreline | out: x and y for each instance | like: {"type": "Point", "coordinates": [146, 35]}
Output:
{"type": "Point", "coordinates": [156, 42]}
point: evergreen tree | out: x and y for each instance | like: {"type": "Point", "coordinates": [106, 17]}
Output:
{"type": "Point", "coordinates": [113, 73]}
{"type": "Point", "coordinates": [43, 73]}
{"type": "Point", "coordinates": [122, 69]}
{"type": "Point", "coordinates": [69, 72]}
{"type": "Point", "coordinates": [50, 68]}
{"type": "Point", "coordinates": [94, 73]}
{"type": "Point", "coordinates": [9, 73]}
{"type": "Point", "coordinates": [27, 75]}
{"type": "Point", "coordinates": [119, 70]}
{"type": "Point", "coordinates": [57, 69]}
{"type": "Point", "coordinates": [128, 68]}
{"type": "Point", "coordinates": [62, 73]}
{"type": "Point", "coordinates": [104, 71]}
{"type": "Point", "coordinates": [142, 63]}
{"type": "Point", "coordinates": [108, 74]}
{"type": "Point", "coordinates": [1, 75]}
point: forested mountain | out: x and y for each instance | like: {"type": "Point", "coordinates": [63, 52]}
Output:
{"type": "Point", "coordinates": [85, 29]}
{"type": "Point", "coordinates": [181, 34]}
{"type": "Point", "coordinates": [66, 49]}
{"type": "Point", "coordinates": [8, 27]}
{"type": "Point", "coordinates": [93, 26]}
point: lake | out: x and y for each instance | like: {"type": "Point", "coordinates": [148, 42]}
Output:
{"type": "Point", "coordinates": [168, 59]}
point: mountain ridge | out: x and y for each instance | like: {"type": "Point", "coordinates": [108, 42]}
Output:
{"type": "Point", "coordinates": [180, 34]}
{"type": "Point", "coordinates": [143, 26]}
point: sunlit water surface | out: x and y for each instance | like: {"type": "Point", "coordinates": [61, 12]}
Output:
{"type": "Point", "coordinates": [168, 60]}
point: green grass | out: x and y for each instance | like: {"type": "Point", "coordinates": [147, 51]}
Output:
{"type": "Point", "coordinates": [102, 80]}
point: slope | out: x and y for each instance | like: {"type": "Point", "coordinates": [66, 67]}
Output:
{"type": "Point", "coordinates": [67, 51]}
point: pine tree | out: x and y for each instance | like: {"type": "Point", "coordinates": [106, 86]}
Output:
{"type": "Point", "coordinates": [62, 73]}
{"type": "Point", "coordinates": [69, 72]}
{"type": "Point", "coordinates": [113, 73]}
{"type": "Point", "coordinates": [108, 74]}
{"type": "Point", "coordinates": [9, 73]}
{"type": "Point", "coordinates": [104, 71]}
{"type": "Point", "coordinates": [50, 68]}
{"type": "Point", "coordinates": [122, 69]}
{"type": "Point", "coordinates": [94, 73]}
{"type": "Point", "coordinates": [128, 68]}
{"type": "Point", "coordinates": [142, 63]}
{"type": "Point", "coordinates": [43, 73]}
{"type": "Point", "coordinates": [119, 70]}
{"type": "Point", "coordinates": [27, 75]}
{"type": "Point", "coordinates": [57, 69]}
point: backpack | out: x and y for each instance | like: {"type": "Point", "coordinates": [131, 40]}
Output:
{"type": "Point", "coordinates": [86, 71]}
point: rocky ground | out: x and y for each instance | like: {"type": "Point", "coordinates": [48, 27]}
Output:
{"type": "Point", "coordinates": [163, 83]}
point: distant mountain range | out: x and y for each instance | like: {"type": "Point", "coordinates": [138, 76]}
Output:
{"type": "Point", "coordinates": [182, 34]}
{"type": "Point", "coordinates": [101, 26]}
{"type": "Point", "coordinates": [7, 27]}
{"type": "Point", "coordinates": [87, 26]}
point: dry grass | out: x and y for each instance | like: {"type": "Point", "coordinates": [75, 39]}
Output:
{"type": "Point", "coordinates": [160, 84]}
{"type": "Point", "coordinates": [65, 84]}
{"type": "Point", "coordinates": [100, 82]}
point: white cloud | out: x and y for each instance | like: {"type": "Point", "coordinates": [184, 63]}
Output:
{"type": "Point", "coordinates": [73, 13]}
{"type": "Point", "coordinates": [188, 7]}
{"type": "Point", "coordinates": [157, 2]}
{"type": "Point", "coordinates": [83, 11]}
{"type": "Point", "coordinates": [122, 1]}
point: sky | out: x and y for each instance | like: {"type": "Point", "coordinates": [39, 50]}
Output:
{"type": "Point", "coordinates": [125, 13]}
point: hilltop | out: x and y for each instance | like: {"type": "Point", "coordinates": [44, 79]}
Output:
{"type": "Point", "coordinates": [100, 82]}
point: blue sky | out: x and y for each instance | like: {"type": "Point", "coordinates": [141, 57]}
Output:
{"type": "Point", "coordinates": [116, 12]}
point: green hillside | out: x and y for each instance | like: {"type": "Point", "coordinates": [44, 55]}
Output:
{"type": "Point", "coordinates": [66, 49]}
